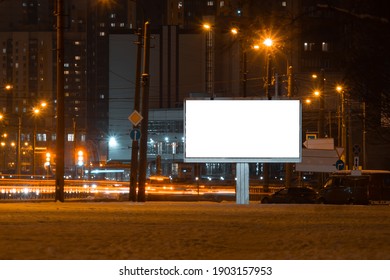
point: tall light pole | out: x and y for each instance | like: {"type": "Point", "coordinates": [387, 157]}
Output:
{"type": "Point", "coordinates": [36, 112]}
{"type": "Point", "coordinates": [137, 103]}
{"type": "Point", "coordinates": [320, 93]}
{"type": "Point", "coordinates": [143, 159]}
{"type": "Point", "coordinates": [343, 129]}
{"type": "Point", "coordinates": [209, 59]}
{"type": "Point", "coordinates": [268, 43]}
{"type": "Point", "coordinates": [60, 135]}
{"type": "Point", "coordinates": [243, 64]}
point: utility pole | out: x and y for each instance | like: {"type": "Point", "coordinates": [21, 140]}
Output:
{"type": "Point", "coordinates": [135, 147]}
{"type": "Point", "coordinates": [245, 71]}
{"type": "Point", "coordinates": [143, 161]}
{"type": "Point", "coordinates": [288, 166]}
{"type": "Point", "coordinates": [60, 136]}
{"type": "Point", "coordinates": [18, 171]}
{"type": "Point", "coordinates": [321, 116]}
{"type": "Point", "coordinates": [266, 166]}
{"type": "Point", "coordinates": [268, 76]}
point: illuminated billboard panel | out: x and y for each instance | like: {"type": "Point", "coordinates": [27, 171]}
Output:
{"type": "Point", "coordinates": [242, 130]}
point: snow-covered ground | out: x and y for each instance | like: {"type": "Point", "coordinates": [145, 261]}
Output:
{"type": "Point", "coordinates": [192, 231]}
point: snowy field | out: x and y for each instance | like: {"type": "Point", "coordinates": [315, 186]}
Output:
{"type": "Point", "coordinates": [192, 231]}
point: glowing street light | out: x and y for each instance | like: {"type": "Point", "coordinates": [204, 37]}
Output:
{"type": "Point", "coordinates": [234, 31]}
{"type": "Point", "coordinates": [268, 42]}
{"type": "Point", "coordinates": [206, 26]}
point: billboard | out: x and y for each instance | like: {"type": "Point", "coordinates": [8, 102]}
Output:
{"type": "Point", "coordinates": [242, 130]}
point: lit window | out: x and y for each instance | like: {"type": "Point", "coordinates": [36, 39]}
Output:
{"type": "Point", "coordinates": [325, 46]}
{"type": "Point", "coordinates": [102, 34]}
{"type": "Point", "coordinates": [284, 3]}
{"type": "Point", "coordinates": [70, 137]}
{"type": "Point", "coordinates": [210, 3]}
{"type": "Point", "coordinates": [308, 46]}
{"type": "Point", "coordinates": [221, 3]}
{"type": "Point", "coordinates": [41, 137]}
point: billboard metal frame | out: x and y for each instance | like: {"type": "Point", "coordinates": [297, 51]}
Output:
{"type": "Point", "coordinates": [203, 124]}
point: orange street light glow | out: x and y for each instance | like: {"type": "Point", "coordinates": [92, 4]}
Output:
{"type": "Point", "coordinates": [207, 26]}
{"type": "Point", "coordinates": [268, 42]}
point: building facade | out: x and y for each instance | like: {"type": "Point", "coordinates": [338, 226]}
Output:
{"type": "Point", "coordinates": [186, 60]}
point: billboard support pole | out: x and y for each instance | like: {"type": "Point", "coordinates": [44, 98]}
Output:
{"type": "Point", "coordinates": [242, 183]}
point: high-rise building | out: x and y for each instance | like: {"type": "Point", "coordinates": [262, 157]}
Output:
{"type": "Point", "coordinates": [188, 61]}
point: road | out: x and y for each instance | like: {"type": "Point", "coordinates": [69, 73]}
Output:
{"type": "Point", "coordinates": [193, 230]}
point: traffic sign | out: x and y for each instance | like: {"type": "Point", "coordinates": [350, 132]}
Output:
{"type": "Point", "coordinates": [319, 143]}
{"type": "Point", "coordinates": [355, 162]}
{"type": "Point", "coordinates": [135, 134]}
{"type": "Point", "coordinates": [318, 160]}
{"type": "Point", "coordinates": [356, 149]}
{"type": "Point", "coordinates": [340, 164]}
{"type": "Point", "coordinates": [135, 118]}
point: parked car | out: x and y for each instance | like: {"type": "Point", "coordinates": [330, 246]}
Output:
{"type": "Point", "coordinates": [356, 187]}
{"type": "Point", "coordinates": [292, 195]}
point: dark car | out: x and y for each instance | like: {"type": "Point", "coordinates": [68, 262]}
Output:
{"type": "Point", "coordinates": [357, 187]}
{"type": "Point", "coordinates": [292, 195]}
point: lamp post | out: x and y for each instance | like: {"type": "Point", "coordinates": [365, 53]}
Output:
{"type": "Point", "coordinates": [320, 93]}
{"type": "Point", "coordinates": [60, 135]}
{"type": "Point", "coordinates": [268, 43]}
{"type": "Point", "coordinates": [343, 128]}
{"type": "Point", "coordinates": [236, 32]}
{"type": "Point", "coordinates": [36, 113]}
{"type": "Point", "coordinates": [209, 59]}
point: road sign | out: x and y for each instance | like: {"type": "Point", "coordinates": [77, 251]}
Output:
{"type": "Point", "coordinates": [340, 164]}
{"type": "Point", "coordinates": [356, 149]}
{"type": "Point", "coordinates": [320, 143]}
{"type": "Point", "coordinates": [317, 160]}
{"type": "Point", "coordinates": [355, 162]}
{"type": "Point", "coordinates": [135, 134]}
{"type": "Point", "coordinates": [135, 118]}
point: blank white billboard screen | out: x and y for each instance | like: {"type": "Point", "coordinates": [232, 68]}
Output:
{"type": "Point", "coordinates": [242, 130]}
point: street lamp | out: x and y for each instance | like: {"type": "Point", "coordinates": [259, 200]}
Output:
{"type": "Point", "coordinates": [36, 113]}
{"type": "Point", "coordinates": [343, 128]}
{"type": "Point", "coordinates": [209, 59]}
{"type": "Point", "coordinates": [268, 43]}
{"type": "Point", "coordinates": [236, 32]}
{"type": "Point", "coordinates": [321, 95]}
